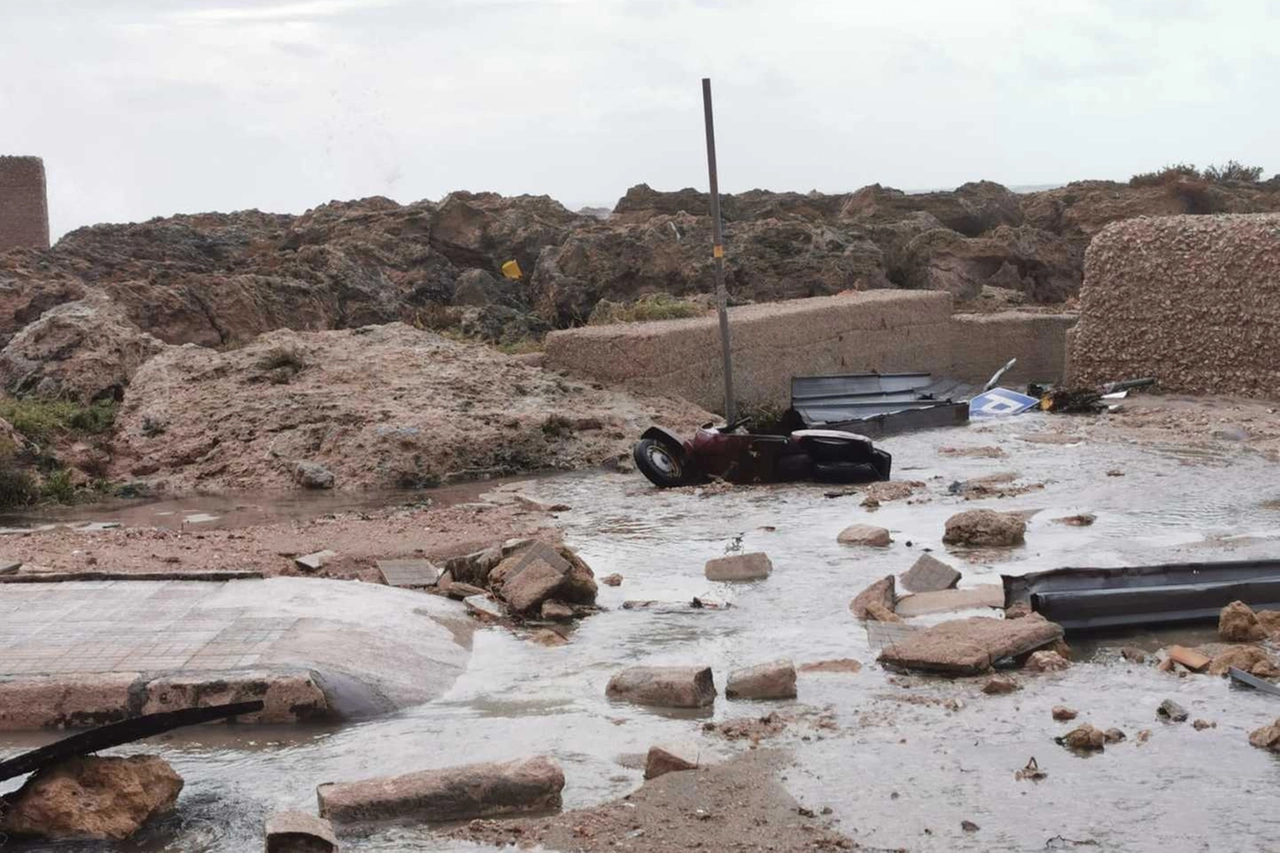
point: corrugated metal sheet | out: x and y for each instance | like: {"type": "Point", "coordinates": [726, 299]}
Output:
{"type": "Point", "coordinates": [876, 404]}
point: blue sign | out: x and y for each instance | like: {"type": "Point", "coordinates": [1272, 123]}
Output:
{"type": "Point", "coordinates": [998, 402]}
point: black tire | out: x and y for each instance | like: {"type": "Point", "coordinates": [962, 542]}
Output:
{"type": "Point", "coordinates": [843, 472]}
{"type": "Point", "coordinates": [883, 463]}
{"type": "Point", "coordinates": [656, 461]}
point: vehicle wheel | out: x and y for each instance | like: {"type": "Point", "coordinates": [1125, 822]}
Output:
{"type": "Point", "coordinates": [883, 463]}
{"type": "Point", "coordinates": [656, 461]}
{"type": "Point", "coordinates": [842, 472]}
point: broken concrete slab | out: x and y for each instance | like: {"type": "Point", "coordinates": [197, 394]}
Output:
{"type": "Point", "coordinates": [452, 793]}
{"type": "Point", "coordinates": [970, 646]}
{"type": "Point", "coordinates": [1192, 659]}
{"type": "Point", "coordinates": [297, 832]}
{"type": "Point", "coordinates": [739, 567]}
{"type": "Point", "coordinates": [461, 591]}
{"type": "Point", "coordinates": [876, 602]}
{"type": "Point", "coordinates": [664, 686]}
{"type": "Point", "coordinates": [662, 760]}
{"type": "Point", "coordinates": [484, 607]}
{"type": "Point", "coordinates": [867, 535]}
{"type": "Point", "coordinates": [314, 562]}
{"type": "Point", "coordinates": [8, 567]}
{"type": "Point", "coordinates": [881, 635]}
{"type": "Point", "coordinates": [534, 584]}
{"type": "Point", "coordinates": [929, 574]}
{"type": "Point", "coordinates": [773, 680]}
{"type": "Point", "coordinates": [409, 574]}
{"type": "Point", "coordinates": [837, 665]}
{"type": "Point", "coordinates": [922, 603]}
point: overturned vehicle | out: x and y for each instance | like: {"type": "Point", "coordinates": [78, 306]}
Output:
{"type": "Point", "coordinates": [825, 455]}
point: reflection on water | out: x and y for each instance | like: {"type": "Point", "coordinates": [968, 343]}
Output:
{"type": "Point", "coordinates": [1192, 789]}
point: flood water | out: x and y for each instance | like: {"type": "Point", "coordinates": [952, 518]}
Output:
{"type": "Point", "coordinates": [900, 768]}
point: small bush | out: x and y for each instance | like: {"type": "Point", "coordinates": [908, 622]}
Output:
{"type": "Point", "coordinates": [1233, 171]}
{"type": "Point", "coordinates": [658, 306]}
{"type": "Point", "coordinates": [41, 420]}
{"type": "Point", "coordinates": [17, 488]}
{"type": "Point", "coordinates": [1169, 174]}
{"type": "Point", "coordinates": [58, 487]}
{"type": "Point", "coordinates": [521, 346]}
{"type": "Point", "coordinates": [557, 426]}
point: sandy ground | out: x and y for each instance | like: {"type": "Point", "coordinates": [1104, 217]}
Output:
{"type": "Point", "coordinates": [359, 538]}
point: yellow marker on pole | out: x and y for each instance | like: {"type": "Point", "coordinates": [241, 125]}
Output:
{"type": "Point", "coordinates": [511, 269]}
{"type": "Point", "coordinates": [717, 251]}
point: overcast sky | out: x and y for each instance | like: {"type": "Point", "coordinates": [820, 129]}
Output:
{"type": "Point", "coordinates": [143, 108]}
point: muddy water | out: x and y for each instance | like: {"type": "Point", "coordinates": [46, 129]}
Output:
{"type": "Point", "coordinates": [900, 767]}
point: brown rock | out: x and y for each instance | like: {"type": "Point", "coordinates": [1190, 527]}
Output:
{"type": "Point", "coordinates": [985, 528]}
{"type": "Point", "coordinates": [1046, 661]}
{"type": "Point", "coordinates": [1017, 610]}
{"type": "Point", "coordinates": [969, 646]}
{"type": "Point", "coordinates": [1201, 725]}
{"type": "Point", "coordinates": [1084, 519]}
{"type": "Point", "coordinates": [1084, 738]}
{"type": "Point", "coordinates": [461, 591]}
{"type": "Point", "coordinates": [1171, 712]}
{"type": "Point", "coordinates": [92, 797]}
{"type": "Point", "coordinates": [929, 574]}
{"type": "Point", "coordinates": [1114, 735]}
{"type": "Point", "coordinates": [739, 567]}
{"type": "Point", "coordinates": [614, 579]}
{"type": "Point", "coordinates": [452, 793]}
{"type": "Point", "coordinates": [774, 680]}
{"type": "Point", "coordinates": [296, 832]}
{"type": "Point", "coordinates": [999, 685]}
{"type": "Point", "coordinates": [556, 610]}
{"type": "Point", "coordinates": [1270, 621]}
{"type": "Point", "coordinates": [1062, 713]}
{"type": "Point", "coordinates": [846, 665]}
{"type": "Point", "coordinates": [1237, 623]}
{"type": "Point", "coordinates": [664, 686]}
{"type": "Point", "coordinates": [1267, 737]}
{"type": "Point", "coordinates": [880, 596]}
{"type": "Point", "coordinates": [866, 535]}
{"type": "Point", "coordinates": [661, 761]}
{"type": "Point", "coordinates": [1251, 659]}
{"type": "Point", "coordinates": [1133, 655]}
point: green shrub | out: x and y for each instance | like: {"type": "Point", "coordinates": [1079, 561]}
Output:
{"type": "Point", "coordinates": [282, 364]}
{"type": "Point", "coordinates": [1169, 174]}
{"type": "Point", "coordinates": [658, 306]}
{"type": "Point", "coordinates": [17, 488]}
{"type": "Point", "coordinates": [41, 420]}
{"type": "Point", "coordinates": [58, 487]}
{"type": "Point", "coordinates": [1233, 171]}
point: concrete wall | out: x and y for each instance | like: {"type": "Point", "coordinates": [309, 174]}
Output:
{"type": "Point", "coordinates": [1191, 300]}
{"type": "Point", "coordinates": [874, 331]}
{"type": "Point", "coordinates": [24, 210]}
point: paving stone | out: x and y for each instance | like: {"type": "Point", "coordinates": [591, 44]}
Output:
{"type": "Point", "coordinates": [929, 574]}
{"type": "Point", "coordinates": [409, 574]}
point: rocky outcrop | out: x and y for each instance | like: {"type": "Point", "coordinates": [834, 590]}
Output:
{"type": "Point", "coordinates": [84, 350]}
{"type": "Point", "coordinates": [92, 797]}
{"type": "Point", "coordinates": [353, 402]}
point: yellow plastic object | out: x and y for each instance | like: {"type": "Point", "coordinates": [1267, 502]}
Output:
{"type": "Point", "coordinates": [511, 269]}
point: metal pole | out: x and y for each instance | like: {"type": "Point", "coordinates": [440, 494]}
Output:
{"type": "Point", "coordinates": [717, 254]}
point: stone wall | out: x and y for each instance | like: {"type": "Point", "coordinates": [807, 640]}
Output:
{"type": "Point", "coordinates": [1191, 300]}
{"type": "Point", "coordinates": [24, 210]}
{"type": "Point", "coordinates": [881, 331]}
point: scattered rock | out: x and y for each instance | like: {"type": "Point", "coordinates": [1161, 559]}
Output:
{"type": "Point", "coordinates": [1114, 735]}
{"type": "Point", "coordinates": [451, 793]}
{"type": "Point", "coordinates": [845, 665]}
{"type": "Point", "coordinates": [485, 607]}
{"type": "Point", "coordinates": [1267, 737]}
{"type": "Point", "coordinates": [985, 528]}
{"type": "Point", "coordinates": [876, 602]}
{"type": "Point", "coordinates": [1031, 772]}
{"type": "Point", "coordinates": [739, 567]}
{"type": "Point", "coordinates": [312, 475]}
{"type": "Point", "coordinates": [1201, 725]}
{"type": "Point", "coordinates": [774, 680]}
{"type": "Point", "coordinates": [1171, 712]}
{"type": "Point", "coordinates": [1270, 622]}
{"type": "Point", "coordinates": [664, 686]}
{"type": "Point", "coordinates": [1046, 661]}
{"type": "Point", "coordinates": [660, 761]}
{"type": "Point", "coordinates": [969, 826]}
{"type": "Point", "coordinates": [1133, 655]}
{"type": "Point", "coordinates": [980, 452]}
{"type": "Point", "coordinates": [1084, 738]}
{"type": "Point", "coordinates": [1193, 659]}
{"type": "Point", "coordinates": [970, 646]}
{"type": "Point", "coordinates": [1251, 659]}
{"type": "Point", "coordinates": [1143, 736]}
{"type": "Point", "coordinates": [1017, 610]}
{"type": "Point", "coordinates": [754, 729]}
{"type": "Point", "coordinates": [998, 685]}
{"type": "Point", "coordinates": [92, 797]}
{"type": "Point", "coordinates": [556, 611]}
{"type": "Point", "coordinates": [1062, 713]}
{"type": "Point", "coordinates": [548, 637]}
{"type": "Point", "coordinates": [1084, 519]}
{"type": "Point", "coordinates": [463, 591]}
{"type": "Point", "coordinates": [929, 574]}
{"type": "Point", "coordinates": [614, 579]}
{"type": "Point", "coordinates": [296, 832]}
{"type": "Point", "coordinates": [1237, 623]}
{"type": "Point", "coordinates": [867, 535]}
{"type": "Point", "coordinates": [314, 562]}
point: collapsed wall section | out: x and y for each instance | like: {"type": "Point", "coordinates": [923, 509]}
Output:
{"type": "Point", "coordinates": [1191, 300]}
{"type": "Point", "coordinates": [24, 210]}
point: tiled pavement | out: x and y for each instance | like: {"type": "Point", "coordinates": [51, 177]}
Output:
{"type": "Point", "coordinates": [128, 626]}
